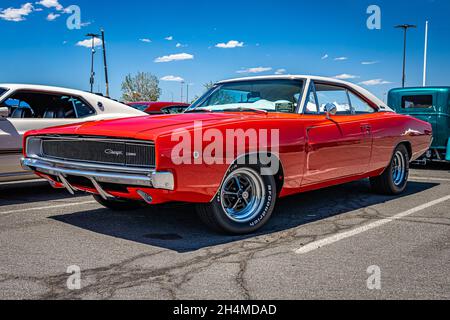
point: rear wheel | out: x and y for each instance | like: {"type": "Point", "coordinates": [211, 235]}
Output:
{"type": "Point", "coordinates": [394, 179]}
{"type": "Point", "coordinates": [119, 205]}
{"type": "Point", "coordinates": [243, 204]}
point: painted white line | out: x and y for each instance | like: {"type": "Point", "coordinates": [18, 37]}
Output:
{"type": "Point", "coordinates": [344, 235]}
{"type": "Point", "coordinates": [47, 207]}
{"type": "Point", "coordinates": [11, 183]}
{"type": "Point", "coordinates": [429, 179]}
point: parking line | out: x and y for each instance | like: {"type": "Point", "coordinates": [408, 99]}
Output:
{"type": "Point", "coordinates": [429, 179]}
{"type": "Point", "coordinates": [344, 235]}
{"type": "Point", "coordinates": [47, 207]}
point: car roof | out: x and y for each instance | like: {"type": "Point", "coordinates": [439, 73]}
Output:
{"type": "Point", "coordinates": [355, 87]}
{"type": "Point", "coordinates": [113, 106]}
{"type": "Point", "coordinates": [18, 86]}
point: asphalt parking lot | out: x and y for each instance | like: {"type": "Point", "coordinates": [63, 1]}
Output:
{"type": "Point", "coordinates": [318, 245]}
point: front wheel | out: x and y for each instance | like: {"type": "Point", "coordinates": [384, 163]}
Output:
{"type": "Point", "coordinates": [119, 205]}
{"type": "Point", "coordinates": [244, 203]}
{"type": "Point", "coordinates": [394, 179]}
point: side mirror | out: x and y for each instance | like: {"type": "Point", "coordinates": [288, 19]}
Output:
{"type": "Point", "coordinates": [4, 112]}
{"type": "Point", "coordinates": [330, 110]}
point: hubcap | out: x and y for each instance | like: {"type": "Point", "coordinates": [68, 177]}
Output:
{"type": "Point", "coordinates": [399, 168]}
{"type": "Point", "coordinates": [242, 195]}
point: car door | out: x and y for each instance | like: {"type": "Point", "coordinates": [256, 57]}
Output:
{"type": "Point", "coordinates": [33, 110]}
{"type": "Point", "coordinates": [337, 147]}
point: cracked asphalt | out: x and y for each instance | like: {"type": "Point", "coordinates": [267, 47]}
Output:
{"type": "Point", "coordinates": [164, 252]}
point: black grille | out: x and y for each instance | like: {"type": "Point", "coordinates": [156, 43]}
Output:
{"type": "Point", "coordinates": [123, 153]}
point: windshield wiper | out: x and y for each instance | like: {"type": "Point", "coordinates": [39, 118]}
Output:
{"type": "Point", "coordinates": [198, 110]}
{"type": "Point", "coordinates": [247, 109]}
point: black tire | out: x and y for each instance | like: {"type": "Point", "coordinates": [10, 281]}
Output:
{"type": "Point", "coordinates": [387, 183]}
{"type": "Point", "coordinates": [119, 205]}
{"type": "Point", "coordinates": [215, 216]}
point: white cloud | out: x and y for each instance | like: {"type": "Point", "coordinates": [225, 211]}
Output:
{"type": "Point", "coordinates": [180, 45]}
{"type": "Point", "coordinates": [51, 4]}
{"type": "Point", "coordinates": [375, 82]}
{"type": "Point", "coordinates": [169, 38]}
{"type": "Point", "coordinates": [345, 76]}
{"type": "Point", "coordinates": [340, 59]}
{"type": "Point", "coordinates": [88, 43]}
{"type": "Point", "coordinates": [230, 45]}
{"type": "Point", "coordinates": [16, 14]}
{"type": "Point", "coordinates": [174, 57]}
{"type": "Point", "coordinates": [255, 70]}
{"type": "Point", "coordinates": [280, 71]}
{"type": "Point", "coordinates": [52, 16]}
{"type": "Point", "coordinates": [369, 62]}
{"type": "Point", "coordinates": [326, 56]}
{"type": "Point", "coordinates": [172, 78]}
{"type": "Point", "coordinates": [85, 24]}
{"type": "Point", "coordinates": [146, 40]}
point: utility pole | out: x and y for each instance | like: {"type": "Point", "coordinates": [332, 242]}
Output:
{"type": "Point", "coordinates": [405, 28]}
{"type": "Point", "coordinates": [182, 85]}
{"type": "Point", "coordinates": [187, 93]}
{"type": "Point", "coordinates": [425, 58]}
{"type": "Point", "coordinates": [105, 63]}
{"type": "Point", "coordinates": [92, 78]}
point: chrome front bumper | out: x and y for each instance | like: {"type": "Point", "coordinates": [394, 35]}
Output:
{"type": "Point", "coordinates": [100, 174]}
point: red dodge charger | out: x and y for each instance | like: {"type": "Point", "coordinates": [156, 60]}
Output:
{"type": "Point", "coordinates": [236, 150]}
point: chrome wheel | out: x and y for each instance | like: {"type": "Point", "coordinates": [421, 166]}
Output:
{"type": "Point", "coordinates": [242, 195]}
{"type": "Point", "coordinates": [399, 168]}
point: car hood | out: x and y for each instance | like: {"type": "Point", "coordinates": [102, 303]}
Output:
{"type": "Point", "coordinates": [149, 127]}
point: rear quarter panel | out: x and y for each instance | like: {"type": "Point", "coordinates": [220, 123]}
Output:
{"type": "Point", "coordinates": [391, 129]}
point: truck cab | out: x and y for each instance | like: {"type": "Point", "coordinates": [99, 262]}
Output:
{"type": "Point", "coordinates": [431, 104]}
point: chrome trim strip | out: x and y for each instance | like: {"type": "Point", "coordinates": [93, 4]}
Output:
{"type": "Point", "coordinates": [93, 138]}
{"type": "Point", "coordinates": [93, 166]}
{"type": "Point", "coordinates": [152, 179]}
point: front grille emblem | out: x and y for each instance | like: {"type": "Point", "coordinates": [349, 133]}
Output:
{"type": "Point", "coordinates": [113, 153]}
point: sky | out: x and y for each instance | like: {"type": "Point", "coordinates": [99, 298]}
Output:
{"type": "Point", "coordinates": [202, 41]}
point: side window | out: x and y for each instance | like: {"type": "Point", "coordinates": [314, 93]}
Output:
{"type": "Point", "coordinates": [82, 110]}
{"type": "Point", "coordinates": [417, 102]}
{"type": "Point", "coordinates": [18, 108]}
{"type": "Point", "coordinates": [311, 103]}
{"type": "Point", "coordinates": [335, 95]}
{"type": "Point", "coordinates": [359, 106]}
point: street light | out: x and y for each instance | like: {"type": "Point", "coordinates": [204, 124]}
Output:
{"type": "Point", "coordinates": [92, 78]}
{"type": "Point", "coordinates": [405, 28]}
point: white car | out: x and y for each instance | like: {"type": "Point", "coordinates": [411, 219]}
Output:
{"type": "Point", "coordinates": [30, 107]}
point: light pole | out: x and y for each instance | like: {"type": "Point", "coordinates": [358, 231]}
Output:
{"type": "Point", "coordinates": [187, 92]}
{"type": "Point", "coordinates": [182, 85]}
{"type": "Point", "coordinates": [104, 63]}
{"type": "Point", "coordinates": [425, 58]}
{"type": "Point", "coordinates": [92, 78]}
{"type": "Point", "coordinates": [405, 28]}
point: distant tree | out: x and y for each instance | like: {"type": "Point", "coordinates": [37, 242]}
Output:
{"type": "Point", "coordinates": [209, 85]}
{"type": "Point", "coordinates": [141, 87]}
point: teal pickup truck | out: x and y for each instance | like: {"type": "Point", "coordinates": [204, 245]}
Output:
{"type": "Point", "coordinates": [431, 104]}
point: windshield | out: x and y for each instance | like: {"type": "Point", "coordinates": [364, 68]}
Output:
{"type": "Point", "coordinates": [265, 95]}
